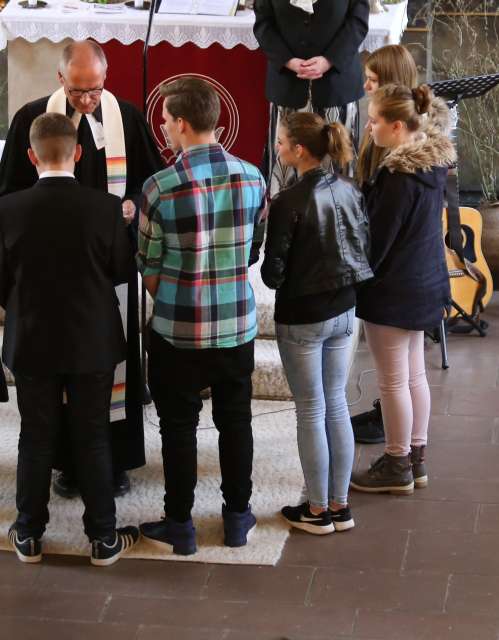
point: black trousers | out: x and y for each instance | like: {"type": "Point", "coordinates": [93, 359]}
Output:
{"type": "Point", "coordinates": [176, 379]}
{"type": "Point", "coordinates": [39, 401]}
{"type": "Point", "coordinates": [127, 436]}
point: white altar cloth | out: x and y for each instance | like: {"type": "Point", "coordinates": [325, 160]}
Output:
{"type": "Point", "coordinates": [130, 25]}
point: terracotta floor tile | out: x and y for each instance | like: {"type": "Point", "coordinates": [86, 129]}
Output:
{"type": "Point", "coordinates": [179, 633]}
{"type": "Point", "coordinates": [464, 490]}
{"type": "Point", "coordinates": [132, 577]}
{"type": "Point", "coordinates": [461, 429]}
{"type": "Point", "coordinates": [280, 584]}
{"type": "Point", "coordinates": [406, 626]}
{"type": "Point", "coordinates": [168, 611]}
{"type": "Point", "coordinates": [382, 591]}
{"type": "Point", "coordinates": [488, 518]}
{"type": "Point", "coordinates": [354, 549]}
{"type": "Point", "coordinates": [292, 621]}
{"type": "Point", "coordinates": [474, 594]}
{"type": "Point", "coordinates": [17, 574]}
{"type": "Point", "coordinates": [403, 513]}
{"type": "Point", "coordinates": [27, 629]}
{"type": "Point", "coordinates": [56, 605]}
{"type": "Point", "coordinates": [468, 553]}
{"type": "Point", "coordinates": [475, 402]}
{"type": "Point", "coordinates": [464, 460]}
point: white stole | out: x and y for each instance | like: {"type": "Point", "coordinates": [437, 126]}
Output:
{"type": "Point", "coordinates": [114, 135]}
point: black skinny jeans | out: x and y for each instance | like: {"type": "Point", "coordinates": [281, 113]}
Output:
{"type": "Point", "coordinates": [176, 379]}
{"type": "Point", "coordinates": [40, 406]}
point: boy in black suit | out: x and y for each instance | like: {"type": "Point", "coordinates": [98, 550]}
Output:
{"type": "Point", "coordinates": [63, 248]}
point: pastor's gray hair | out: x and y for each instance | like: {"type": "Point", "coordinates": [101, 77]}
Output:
{"type": "Point", "coordinates": [68, 53]}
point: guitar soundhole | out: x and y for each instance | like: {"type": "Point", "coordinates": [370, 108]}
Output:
{"type": "Point", "coordinates": [468, 241]}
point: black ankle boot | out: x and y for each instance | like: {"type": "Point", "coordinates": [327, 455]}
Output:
{"type": "Point", "coordinates": [368, 426]}
{"type": "Point", "coordinates": [65, 485]}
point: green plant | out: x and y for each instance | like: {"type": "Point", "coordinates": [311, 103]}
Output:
{"type": "Point", "coordinates": [466, 43]}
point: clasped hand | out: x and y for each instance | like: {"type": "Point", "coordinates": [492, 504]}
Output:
{"type": "Point", "coordinates": [311, 69]}
{"type": "Point", "coordinates": [128, 211]}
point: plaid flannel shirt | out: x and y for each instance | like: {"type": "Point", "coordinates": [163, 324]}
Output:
{"type": "Point", "coordinates": [196, 233]}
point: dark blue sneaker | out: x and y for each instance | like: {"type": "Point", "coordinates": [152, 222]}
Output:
{"type": "Point", "coordinates": [179, 535]}
{"type": "Point", "coordinates": [237, 526]}
{"type": "Point", "coordinates": [107, 552]}
{"type": "Point", "coordinates": [27, 550]}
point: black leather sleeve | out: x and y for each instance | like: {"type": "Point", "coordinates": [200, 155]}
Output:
{"type": "Point", "coordinates": [280, 231]}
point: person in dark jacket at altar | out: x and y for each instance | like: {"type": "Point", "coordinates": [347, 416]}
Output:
{"type": "Point", "coordinates": [119, 154]}
{"type": "Point", "coordinates": [313, 64]}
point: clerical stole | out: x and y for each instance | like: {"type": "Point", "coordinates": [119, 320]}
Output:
{"type": "Point", "coordinates": [114, 145]}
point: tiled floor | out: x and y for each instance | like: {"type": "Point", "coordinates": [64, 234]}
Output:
{"type": "Point", "coordinates": [414, 568]}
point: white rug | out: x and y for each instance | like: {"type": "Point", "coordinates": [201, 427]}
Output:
{"type": "Point", "coordinates": [277, 480]}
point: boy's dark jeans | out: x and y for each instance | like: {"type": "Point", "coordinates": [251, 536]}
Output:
{"type": "Point", "coordinates": [40, 405]}
{"type": "Point", "coordinates": [176, 379]}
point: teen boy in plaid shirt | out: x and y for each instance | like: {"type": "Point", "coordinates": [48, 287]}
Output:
{"type": "Point", "coordinates": [196, 243]}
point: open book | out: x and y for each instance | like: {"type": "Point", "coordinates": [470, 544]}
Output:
{"type": "Point", "coordinates": [205, 7]}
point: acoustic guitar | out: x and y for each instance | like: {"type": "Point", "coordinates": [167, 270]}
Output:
{"type": "Point", "coordinates": [470, 280]}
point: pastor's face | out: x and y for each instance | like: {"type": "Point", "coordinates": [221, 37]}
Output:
{"type": "Point", "coordinates": [83, 86]}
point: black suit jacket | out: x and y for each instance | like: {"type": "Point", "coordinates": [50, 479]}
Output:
{"type": "Point", "coordinates": [63, 247]}
{"type": "Point", "coordinates": [4, 394]}
{"type": "Point", "coordinates": [335, 30]}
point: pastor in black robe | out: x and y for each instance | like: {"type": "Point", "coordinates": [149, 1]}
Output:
{"type": "Point", "coordinates": [142, 160]}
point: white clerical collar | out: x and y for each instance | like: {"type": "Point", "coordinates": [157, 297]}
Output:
{"type": "Point", "coordinates": [304, 5]}
{"type": "Point", "coordinates": [56, 174]}
{"type": "Point", "coordinates": [95, 127]}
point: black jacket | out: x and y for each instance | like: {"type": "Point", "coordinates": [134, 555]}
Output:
{"type": "Point", "coordinates": [4, 394]}
{"type": "Point", "coordinates": [317, 237]}
{"type": "Point", "coordinates": [335, 30]}
{"type": "Point", "coordinates": [404, 204]}
{"type": "Point", "coordinates": [142, 155]}
{"type": "Point", "coordinates": [63, 247]}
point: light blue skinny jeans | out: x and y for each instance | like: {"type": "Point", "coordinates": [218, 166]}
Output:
{"type": "Point", "coordinates": [315, 359]}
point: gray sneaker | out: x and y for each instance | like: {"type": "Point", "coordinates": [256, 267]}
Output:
{"type": "Point", "coordinates": [389, 474]}
{"type": "Point", "coordinates": [418, 466]}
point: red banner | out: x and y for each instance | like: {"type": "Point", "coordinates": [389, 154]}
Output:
{"type": "Point", "coordinates": [237, 74]}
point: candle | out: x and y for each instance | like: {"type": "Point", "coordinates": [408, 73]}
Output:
{"type": "Point", "coordinates": [138, 4]}
{"type": "Point", "coordinates": [32, 3]}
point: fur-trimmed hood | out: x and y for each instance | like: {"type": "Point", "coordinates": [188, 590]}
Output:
{"type": "Point", "coordinates": [431, 148]}
{"type": "Point", "coordinates": [439, 117]}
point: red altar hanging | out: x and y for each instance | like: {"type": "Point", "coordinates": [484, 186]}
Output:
{"type": "Point", "coordinates": [237, 74]}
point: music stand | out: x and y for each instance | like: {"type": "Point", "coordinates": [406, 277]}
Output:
{"type": "Point", "coordinates": [464, 88]}
{"type": "Point", "coordinates": [454, 91]}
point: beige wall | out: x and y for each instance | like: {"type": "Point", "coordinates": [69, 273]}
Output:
{"type": "Point", "coordinates": [32, 70]}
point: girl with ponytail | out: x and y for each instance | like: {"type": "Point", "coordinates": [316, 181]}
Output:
{"type": "Point", "coordinates": [411, 286]}
{"type": "Point", "coordinates": [314, 255]}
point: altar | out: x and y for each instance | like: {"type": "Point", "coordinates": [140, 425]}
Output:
{"type": "Point", "coordinates": [222, 50]}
